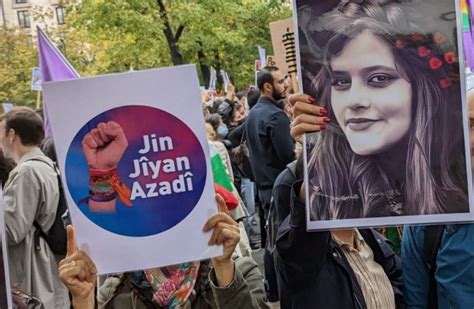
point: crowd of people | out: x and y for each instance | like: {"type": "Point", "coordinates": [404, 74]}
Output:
{"type": "Point", "coordinates": [257, 134]}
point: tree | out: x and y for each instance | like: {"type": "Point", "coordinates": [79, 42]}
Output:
{"type": "Point", "coordinates": [17, 59]}
{"type": "Point", "coordinates": [141, 34]}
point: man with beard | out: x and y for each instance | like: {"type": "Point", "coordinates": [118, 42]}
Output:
{"type": "Point", "coordinates": [270, 147]}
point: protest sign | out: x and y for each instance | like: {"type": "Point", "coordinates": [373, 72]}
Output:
{"type": "Point", "coordinates": [7, 107]}
{"type": "Point", "coordinates": [225, 79]}
{"type": "Point", "coordinates": [36, 79]}
{"type": "Point", "coordinates": [391, 80]}
{"type": "Point", "coordinates": [5, 288]}
{"type": "Point", "coordinates": [284, 49]}
{"type": "Point", "coordinates": [135, 164]}
{"type": "Point", "coordinates": [257, 68]}
{"type": "Point", "coordinates": [212, 79]}
{"type": "Point", "coordinates": [262, 54]}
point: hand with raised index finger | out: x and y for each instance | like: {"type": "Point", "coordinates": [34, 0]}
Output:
{"type": "Point", "coordinates": [78, 273]}
{"type": "Point", "coordinates": [225, 232]}
{"type": "Point", "coordinates": [307, 117]}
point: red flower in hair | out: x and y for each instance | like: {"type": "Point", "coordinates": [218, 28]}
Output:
{"type": "Point", "coordinates": [435, 63]}
{"type": "Point", "coordinates": [438, 37]}
{"type": "Point", "coordinates": [423, 51]}
{"type": "Point", "coordinates": [445, 83]}
{"type": "Point", "coordinates": [417, 37]}
{"type": "Point", "coordinates": [450, 57]}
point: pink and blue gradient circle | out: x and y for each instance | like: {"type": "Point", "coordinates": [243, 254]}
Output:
{"type": "Point", "coordinates": [148, 216]}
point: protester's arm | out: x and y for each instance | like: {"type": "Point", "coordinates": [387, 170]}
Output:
{"type": "Point", "coordinates": [230, 93]}
{"type": "Point", "coordinates": [78, 273]}
{"type": "Point", "coordinates": [246, 289]}
{"type": "Point", "coordinates": [300, 252]}
{"type": "Point", "coordinates": [233, 285]}
{"type": "Point", "coordinates": [21, 204]}
{"type": "Point", "coordinates": [225, 232]}
{"type": "Point", "coordinates": [415, 278]}
{"type": "Point", "coordinates": [235, 136]}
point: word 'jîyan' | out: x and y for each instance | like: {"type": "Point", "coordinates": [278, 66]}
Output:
{"type": "Point", "coordinates": [145, 167]}
{"type": "Point", "coordinates": [180, 185]}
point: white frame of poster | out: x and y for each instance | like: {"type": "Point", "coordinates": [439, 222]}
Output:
{"type": "Point", "coordinates": [315, 225]}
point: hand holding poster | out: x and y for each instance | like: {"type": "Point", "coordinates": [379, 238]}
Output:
{"type": "Point", "coordinates": [389, 78]}
{"type": "Point", "coordinates": [135, 164]}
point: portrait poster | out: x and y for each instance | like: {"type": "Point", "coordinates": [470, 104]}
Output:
{"type": "Point", "coordinates": [134, 160]}
{"type": "Point", "coordinates": [389, 77]}
{"type": "Point", "coordinates": [5, 287]}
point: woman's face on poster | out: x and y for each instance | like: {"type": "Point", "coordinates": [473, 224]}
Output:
{"type": "Point", "coordinates": [371, 100]}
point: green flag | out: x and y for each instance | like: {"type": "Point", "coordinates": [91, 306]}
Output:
{"type": "Point", "coordinates": [218, 169]}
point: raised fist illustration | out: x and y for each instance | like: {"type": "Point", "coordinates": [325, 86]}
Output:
{"type": "Point", "coordinates": [104, 146]}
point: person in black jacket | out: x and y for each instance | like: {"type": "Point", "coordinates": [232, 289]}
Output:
{"type": "Point", "coordinates": [332, 269]}
{"type": "Point", "coordinates": [270, 147]}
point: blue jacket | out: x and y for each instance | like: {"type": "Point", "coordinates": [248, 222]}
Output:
{"type": "Point", "coordinates": [454, 267]}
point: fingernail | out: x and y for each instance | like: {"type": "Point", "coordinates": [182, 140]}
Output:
{"type": "Point", "coordinates": [323, 112]}
{"type": "Point", "coordinates": [322, 127]}
{"type": "Point", "coordinates": [326, 119]}
{"type": "Point", "coordinates": [311, 100]}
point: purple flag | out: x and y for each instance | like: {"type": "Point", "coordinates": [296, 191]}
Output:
{"type": "Point", "coordinates": [54, 67]}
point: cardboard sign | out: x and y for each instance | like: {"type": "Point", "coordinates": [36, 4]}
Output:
{"type": "Point", "coordinates": [283, 41]}
{"type": "Point", "coordinates": [284, 49]}
{"type": "Point", "coordinates": [396, 150]}
{"type": "Point", "coordinates": [135, 165]}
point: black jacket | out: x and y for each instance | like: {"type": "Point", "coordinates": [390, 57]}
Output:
{"type": "Point", "coordinates": [269, 142]}
{"type": "Point", "coordinates": [314, 270]}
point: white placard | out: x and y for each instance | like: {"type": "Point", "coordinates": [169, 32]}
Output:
{"type": "Point", "coordinates": [146, 125]}
{"type": "Point", "coordinates": [36, 79]}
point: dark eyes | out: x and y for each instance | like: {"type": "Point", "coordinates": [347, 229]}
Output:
{"type": "Point", "coordinates": [375, 80]}
{"type": "Point", "coordinates": [341, 83]}
{"type": "Point", "coordinates": [380, 79]}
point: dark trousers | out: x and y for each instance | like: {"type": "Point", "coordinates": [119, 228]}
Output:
{"type": "Point", "coordinates": [271, 285]}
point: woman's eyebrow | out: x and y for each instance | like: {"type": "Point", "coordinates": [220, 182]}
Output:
{"type": "Point", "coordinates": [339, 73]}
{"type": "Point", "coordinates": [366, 70]}
{"type": "Point", "coordinates": [378, 68]}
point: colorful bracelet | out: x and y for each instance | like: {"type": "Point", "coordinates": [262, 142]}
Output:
{"type": "Point", "coordinates": [105, 186]}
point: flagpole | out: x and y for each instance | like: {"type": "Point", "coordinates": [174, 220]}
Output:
{"type": "Point", "coordinates": [38, 99]}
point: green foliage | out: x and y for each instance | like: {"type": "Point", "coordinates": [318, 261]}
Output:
{"type": "Point", "coordinates": [124, 34]}
{"type": "Point", "coordinates": [104, 36]}
{"type": "Point", "coordinates": [17, 58]}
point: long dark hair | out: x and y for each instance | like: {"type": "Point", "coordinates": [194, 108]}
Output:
{"type": "Point", "coordinates": [346, 185]}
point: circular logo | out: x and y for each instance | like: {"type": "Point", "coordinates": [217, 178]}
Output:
{"type": "Point", "coordinates": [135, 170]}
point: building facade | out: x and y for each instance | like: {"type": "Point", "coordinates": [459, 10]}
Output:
{"type": "Point", "coordinates": [27, 14]}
